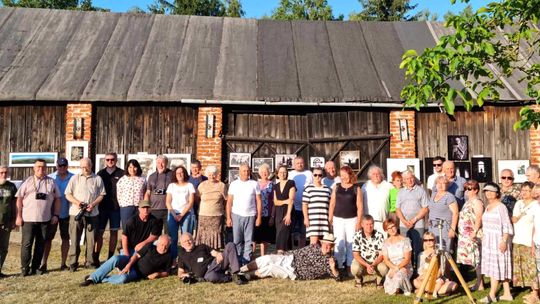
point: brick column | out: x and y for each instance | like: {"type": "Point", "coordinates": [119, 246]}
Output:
{"type": "Point", "coordinates": [79, 110]}
{"type": "Point", "coordinates": [534, 139]}
{"type": "Point", "coordinates": [399, 148]}
{"type": "Point", "coordinates": [209, 149]}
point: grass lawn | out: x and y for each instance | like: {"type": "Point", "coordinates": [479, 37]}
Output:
{"type": "Point", "coordinates": [63, 287]}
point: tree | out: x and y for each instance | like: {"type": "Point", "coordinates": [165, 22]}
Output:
{"type": "Point", "coordinates": [385, 10]}
{"type": "Point", "coordinates": [468, 54]}
{"type": "Point", "coordinates": [427, 15]}
{"type": "Point", "coordinates": [221, 8]}
{"type": "Point", "coordinates": [466, 12]}
{"type": "Point", "coordinates": [304, 10]}
{"type": "Point", "coordinates": [83, 5]}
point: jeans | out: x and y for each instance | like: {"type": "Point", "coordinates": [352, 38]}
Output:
{"type": "Point", "coordinates": [32, 232]}
{"type": "Point", "coordinates": [243, 227]}
{"type": "Point", "coordinates": [90, 224]}
{"type": "Point", "coordinates": [416, 236]}
{"type": "Point", "coordinates": [117, 261]}
{"type": "Point", "coordinates": [4, 244]}
{"type": "Point", "coordinates": [126, 213]}
{"type": "Point", "coordinates": [186, 224]}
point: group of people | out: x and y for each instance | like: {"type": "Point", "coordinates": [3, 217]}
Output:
{"type": "Point", "coordinates": [386, 229]}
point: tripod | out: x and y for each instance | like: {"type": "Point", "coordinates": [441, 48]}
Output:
{"type": "Point", "coordinates": [432, 272]}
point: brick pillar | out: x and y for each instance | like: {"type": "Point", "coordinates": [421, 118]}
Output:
{"type": "Point", "coordinates": [399, 148]}
{"type": "Point", "coordinates": [209, 149]}
{"type": "Point", "coordinates": [534, 139]}
{"type": "Point", "coordinates": [79, 110]}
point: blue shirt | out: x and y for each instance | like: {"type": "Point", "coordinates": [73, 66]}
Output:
{"type": "Point", "coordinates": [197, 181]}
{"type": "Point", "coordinates": [62, 185]}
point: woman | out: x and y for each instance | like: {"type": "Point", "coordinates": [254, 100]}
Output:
{"type": "Point", "coordinates": [397, 253]}
{"type": "Point", "coordinates": [469, 224]}
{"type": "Point", "coordinates": [265, 233]}
{"type": "Point", "coordinates": [496, 245]}
{"type": "Point", "coordinates": [130, 190]}
{"type": "Point", "coordinates": [524, 264]}
{"type": "Point", "coordinates": [509, 190]}
{"type": "Point", "coordinates": [213, 195]}
{"type": "Point", "coordinates": [315, 203]}
{"type": "Point", "coordinates": [345, 215]}
{"type": "Point", "coordinates": [443, 205]}
{"type": "Point", "coordinates": [179, 200]}
{"type": "Point", "coordinates": [397, 182]}
{"type": "Point", "coordinates": [284, 191]}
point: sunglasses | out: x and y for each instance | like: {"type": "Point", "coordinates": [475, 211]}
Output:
{"type": "Point", "coordinates": [317, 175]}
{"type": "Point", "coordinates": [62, 165]}
{"type": "Point", "coordinates": [110, 159]}
{"type": "Point", "coordinates": [470, 189]}
{"type": "Point", "coordinates": [507, 177]}
{"type": "Point", "coordinates": [437, 165]}
{"type": "Point", "coordinates": [429, 240]}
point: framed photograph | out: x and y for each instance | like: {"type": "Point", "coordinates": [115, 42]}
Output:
{"type": "Point", "coordinates": [176, 160]}
{"type": "Point", "coordinates": [350, 158]}
{"type": "Point", "coordinates": [258, 162]}
{"type": "Point", "coordinates": [233, 175]}
{"type": "Point", "coordinates": [75, 151]}
{"type": "Point", "coordinates": [147, 162]}
{"type": "Point", "coordinates": [285, 160]}
{"type": "Point", "coordinates": [27, 159]}
{"type": "Point", "coordinates": [428, 168]}
{"type": "Point", "coordinates": [100, 162]}
{"type": "Point", "coordinates": [316, 162]}
{"type": "Point", "coordinates": [237, 159]}
{"type": "Point", "coordinates": [402, 165]}
{"type": "Point", "coordinates": [458, 147]}
{"type": "Point", "coordinates": [463, 169]}
{"type": "Point", "coordinates": [518, 167]}
{"type": "Point", "coordinates": [482, 169]}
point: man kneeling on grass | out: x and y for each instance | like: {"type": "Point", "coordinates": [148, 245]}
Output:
{"type": "Point", "coordinates": [152, 261]}
{"type": "Point", "coordinates": [307, 263]}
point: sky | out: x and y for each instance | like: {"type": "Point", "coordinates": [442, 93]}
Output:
{"type": "Point", "coordinates": [259, 8]}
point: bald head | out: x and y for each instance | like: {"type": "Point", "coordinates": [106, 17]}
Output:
{"type": "Point", "coordinates": [449, 169]}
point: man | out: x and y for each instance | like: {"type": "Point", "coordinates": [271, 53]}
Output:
{"type": "Point", "coordinates": [437, 171]}
{"type": "Point", "coordinates": [8, 213]}
{"type": "Point", "coordinates": [456, 184]}
{"type": "Point", "coordinates": [157, 189]}
{"type": "Point", "coordinates": [84, 191]}
{"type": "Point", "coordinates": [459, 149]}
{"type": "Point", "coordinates": [196, 178]}
{"type": "Point", "coordinates": [411, 208]}
{"type": "Point", "coordinates": [533, 174]}
{"type": "Point", "coordinates": [367, 246]}
{"type": "Point", "coordinates": [307, 263]}
{"type": "Point", "coordinates": [331, 178]}
{"type": "Point", "coordinates": [61, 178]}
{"type": "Point", "coordinates": [141, 229]}
{"type": "Point", "coordinates": [376, 196]}
{"type": "Point", "coordinates": [109, 210]}
{"type": "Point", "coordinates": [244, 211]}
{"type": "Point", "coordinates": [151, 262]}
{"type": "Point", "coordinates": [301, 178]}
{"type": "Point", "coordinates": [35, 200]}
{"type": "Point", "coordinates": [203, 262]}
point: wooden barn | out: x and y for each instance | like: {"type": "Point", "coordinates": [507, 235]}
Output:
{"type": "Point", "coordinates": [213, 86]}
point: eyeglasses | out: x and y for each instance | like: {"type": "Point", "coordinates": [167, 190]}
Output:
{"type": "Point", "coordinates": [317, 175]}
{"type": "Point", "coordinates": [60, 166]}
{"type": "Point", "coordinates": [110, 159]}
{"type": "Point", "coordinates": [429, 240]}
{"type": "Point", "coordinates": [437, 165]}
{"type": "Point", "coordinates": [390, 227]}
{"type": "Point", "coordinates": [470, 189]}
{"type": "Point", "coordinates": [507, 177]}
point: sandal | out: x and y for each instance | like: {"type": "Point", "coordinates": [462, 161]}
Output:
{"type": "Point", "coordinates": [503, 298]}
{"type": "Point", "coordinates": [487, 299]}
{"type": "Point", "coordinates": [358, 284]}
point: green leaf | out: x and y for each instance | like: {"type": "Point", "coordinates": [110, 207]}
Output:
{"type": "Point", "coordinates": [410, 53]}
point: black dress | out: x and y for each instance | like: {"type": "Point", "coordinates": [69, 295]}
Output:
{"type": "Point", "coordinates": [283, 232]}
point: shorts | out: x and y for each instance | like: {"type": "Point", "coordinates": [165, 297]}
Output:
{"type": "Point", "coordinates": [64, 230]}
{"type": "Point", "coordinates": [109, 216]}
{"type": "Point", "coordinates": [298, 223]}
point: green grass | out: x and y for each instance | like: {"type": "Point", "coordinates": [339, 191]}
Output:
{"type": "Point", "coordinates": [63, 287]}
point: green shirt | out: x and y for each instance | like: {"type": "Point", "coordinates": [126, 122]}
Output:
{"type": "Point", "coordinates": [393, 199]}
{"type": "Point", "coordinates": [7, 203]}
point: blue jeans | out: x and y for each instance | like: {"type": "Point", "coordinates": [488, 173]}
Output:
{"type": "Point", "coordinates": [126, 213]}
{"type": "Point", "coordinates": [243, 227]}
{"type": "Point", "coordinates": [117, 261]}
{"type": "Point", "coordinates": [186, 224]}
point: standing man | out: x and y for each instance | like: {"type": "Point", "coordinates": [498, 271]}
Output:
{"type": "Point", "coordinates": [301, 178]}
{"type": "Point", "coordinates": [84, 191]}
{"type": "Point", "coordinates": [456, 184]}
{"type": "Point", "coordinates": [196, 178]}
{"type": "Point", "coordinates": [533, 174]}
{"type": "Point", "coordinates": [35, 200]}
{"type": "Point", "coordinates": [331, 177]}
{"type": "Point", "coordinates": [244, 212]}
{"type": "Point", "coordinates": [8, 213]}
{"type": "Point", "coordinates": [377, 197]}
{"type": "Point", "coordinates": [61, 178]}
{"type": "Point", "coordinates": [157, 190]}
{"type": "Point", "coordinates": [437, 171]}
{"type": "Point", "coordinates": [109, 210]}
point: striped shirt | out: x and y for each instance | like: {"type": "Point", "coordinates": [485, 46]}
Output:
{"type": "Point", "coordinates": [317, 200]}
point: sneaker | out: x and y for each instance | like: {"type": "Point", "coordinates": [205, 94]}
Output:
{"type": "Point", "coordinates": [407, 293]}
{"type": "Point", "coordinates": [87, 281]}
{"type": "Point", "coordinates": [236, 278]}
{"type": "Point", "coordinates": [509, 298]}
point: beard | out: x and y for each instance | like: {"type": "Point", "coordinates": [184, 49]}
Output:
{"type": "Point", "coordinates": [2, 181]}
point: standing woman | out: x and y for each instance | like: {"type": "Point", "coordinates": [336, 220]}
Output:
{"type": "Point", "coordinates": [284, 191]}
{"type": "Point", "coordinates": [443, 205]}
{"type": "Point", "coordinates": [496, 244]}
{"type": "Point", "coordinates": [213, 194]}
{"type": "Point", "coordinates": [469, 224]}
{"type": "Point", "coordinates": [397, 182]}
{"type": "Point", "coordinates": [265, 233]}
{"type": "Point", "coordinates": [130, 190]}
{"type": "Point", "coordinates": [397, 253]}
{"type": "Point", "coordinates": [315, 204]}
{"type": "Point", "coordinates": [179, 200]}
{"type": "Point", "coordinates": [345, 215]}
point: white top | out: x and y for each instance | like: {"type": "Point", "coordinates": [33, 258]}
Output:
{"type": "Point", "coordinates": [524, 227]}
{"type": "Point", "coordinates": [376, 199]}
{"type": "Point", "coordinates": [301, 180]}
{"type": "Point", "coordinates": [431, 180]}
{"type": "Point", "coordinates": [244, 192]}
{"type": "Point", "coordinates": [330, 183]}
{"type": "Point", "coordinates": [535, 211]}
{"type": "Point", "coordinates": [180, 195]}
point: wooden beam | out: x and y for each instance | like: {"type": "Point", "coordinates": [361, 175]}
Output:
{"type": "Point", "coordinates": [381, 146]}
{"type": "Point", "coordinates": [308, 141]}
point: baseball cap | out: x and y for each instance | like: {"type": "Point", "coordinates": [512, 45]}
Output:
{"type": "Point", "coordinates": [62, 162]}
{"type": "Point", "coordinates": [144, 204]}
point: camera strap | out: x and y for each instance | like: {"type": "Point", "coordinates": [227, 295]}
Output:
{"type": "Point", "coordinates": [36, 189]}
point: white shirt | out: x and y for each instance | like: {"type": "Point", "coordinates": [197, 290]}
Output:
{"type": "Point", "coordinates": [330, 183]}
{"type": "Point", "coordinates": [244, 193]}
{"type": "Point", "coordinates": [524, 227]}
{"type": "Point", "coordinates": [301, 180]}
{"type": "Point", "coordinates": [535, 211]}
{"type": "Point", "coordinates": [180, 195]}
{"type": "Point", "coordinates": [431, 180]}
{"type": "Point", "coordinates": [376, 200]}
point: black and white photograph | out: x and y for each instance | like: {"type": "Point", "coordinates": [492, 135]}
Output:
{"type": "Point", "coordinates": [75, 151]}
{"type": "Point", "coordinates": [428, 168]}
{"type": "Point", "coordinates": [458, 147]}
{"type": "Point", "coordinates": [238, 159]}
{"type": "Point", "coordinates": [463, 169]}
{"type": "Point", "coordinates": [316, 162]}
{"type": "Point", "coordinates": [482, 169]}
{"type": "Point", "coordinates": [285, 160]}
{"type": "Point", "coordinates": [147, 162]}
{"type": "Point", "coordinates": [402, 165]}
{"type": "Point", "coordinates": [350, 158]}
{"type": "Point", "coordinates": [259, 161]}
{"type": "Point", "coordinates": [233, 175]}
{"type": "Point", "coordinates": [100, 162]}
{"type": "Point", "coordinates": [176, 160]}
{"type": "Point", "coordinates": [518, 167]}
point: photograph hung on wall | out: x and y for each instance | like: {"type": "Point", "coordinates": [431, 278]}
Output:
{"type": "Point", "coordinates": [402, 165]}
{"type": "Point", "coordinates": [428, 168]}
{"type": "Point", "coordinates": [27, 159]}
{"type": "Point", "coordinates": [259, 161]}
{"type": "Point", "coordinates": [285, 160]}
{"type": "Point", "coordinates": [518, 167]}
{"type": "Point", "coordinates": [75, 151]}
{"type": "Point", "coordinates": [238, 159]}
{"type": "Point", "coordinates": [179, 159]}
{"type": "Point", "coordinates": [458, 147]}
{"type": "Point", "coordinates": [100, 162]}
{"type": "Point", "coordinates": [316, 162]}
{"type": "Point", "coordinates": [463, 169]}
{"type": "Point", "coordinates": [482, 169]}
{"type": "Point", "coordinates": [233, 175]}
{"type": "Point", "coordinates": [350, 158]}
{"type": "Point", "coordinates": [147, 162]}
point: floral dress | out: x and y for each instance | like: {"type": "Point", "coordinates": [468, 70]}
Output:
{"type": "Point", "coordinates": [468, 249]}
{"type": "Point", "coordinates": [396, 253]}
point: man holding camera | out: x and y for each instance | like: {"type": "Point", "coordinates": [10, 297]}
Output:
{"type": "Point", "coordinates": [84, 191]}
{"type": "Point", "coordinates": [35, 200]}
{"type": "Point", "coordinates": [157, 188]}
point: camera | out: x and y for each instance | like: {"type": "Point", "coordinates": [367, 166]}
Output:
{"type": "Point", "coordinates": [41, 196]}
{"type": "Point", "coordinates": [81, 213]}
{"type": "Point", "coordinates": [189, 279]}
{"type": "Point", "coordinates": [159, 191]}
